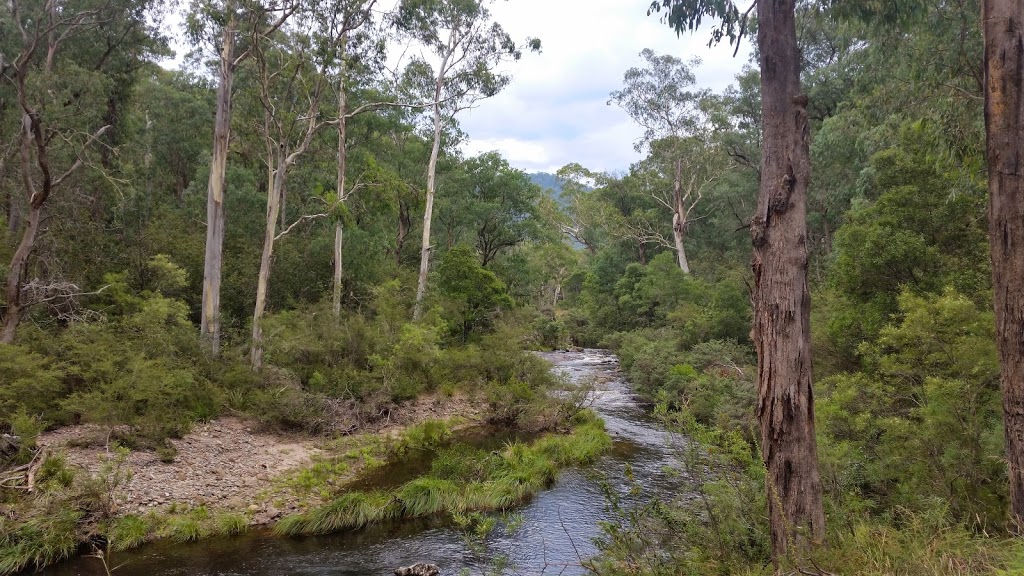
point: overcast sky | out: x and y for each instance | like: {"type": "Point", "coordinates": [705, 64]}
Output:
{"type": "Point", "coordinates": [555, 110]}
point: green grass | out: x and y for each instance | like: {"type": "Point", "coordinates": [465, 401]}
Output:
{"type": "Point", "coordinates": [128, 532]}
{"type": "Point", "coordinates": [349, 511]}
{"type": "Point", "coordinates": [462, 480]}
{"type": "Point", "coordinates": [39, 541]}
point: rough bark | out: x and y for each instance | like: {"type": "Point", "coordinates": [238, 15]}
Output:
{"type": "Point", "coordinates": [16, 273]}
{"type": "Point", "coordinates": [421, 285]}
{"type": "Point", "coordinates": [214, 259]}
{"type": "Point", "coordinates": [785, 404]}
{"type": "Point", "coordinates": [404, 226]}
{"type": "Point", "coordinates": [1002, 22]}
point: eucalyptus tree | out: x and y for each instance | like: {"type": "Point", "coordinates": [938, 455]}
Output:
{"type": "Point", "coordinates": [678, 174]}
{"type": "Point", "coordinates": [1003, 22]}
{"type": "Point", "coordinates": [675, 126]}
{"type": "Point", "coordinates": [469, 47]}
{"type": "Point", "coordinates": [291, 81]}
{"type": "Point", "coordinates": [785, 404]}
{"type": "Point", "coordinates": [225, 18]}
{"type": "Point", "coordinates": [60, 91]}
{"type": "Point", "coordinates": [347, 25]}
{"type": "Point", "coordinates": [575, 218]}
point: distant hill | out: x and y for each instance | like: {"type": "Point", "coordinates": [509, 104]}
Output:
{"type": "Point", "coordinates": [550, 182]}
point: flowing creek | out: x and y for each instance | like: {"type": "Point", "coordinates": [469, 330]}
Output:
{"type": "Point", "coordinates": [557, 529]}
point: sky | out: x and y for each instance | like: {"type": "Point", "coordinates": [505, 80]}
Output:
{"type": "Point", "coordinates": [555, 110]}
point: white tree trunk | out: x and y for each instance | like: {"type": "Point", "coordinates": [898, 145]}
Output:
{"type": "Point", "coordinates": [210, 323]}
{"type": "Point", "coordinates": [338, 243]}
{"type": "Point", "coordinates": [275, 188]}
{"type": "Point", "coordinates": [342, 162]}
{"type": "Point", "coordinates": [421, 286]}
{"type": "Point", "coordinates": [679, 218]}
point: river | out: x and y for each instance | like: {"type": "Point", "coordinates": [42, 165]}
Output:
{"type": "Point", "coordinates": [556, 531]}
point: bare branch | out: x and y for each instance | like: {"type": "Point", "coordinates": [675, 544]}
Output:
{"type": "Point", "coordinates": [299, 221]}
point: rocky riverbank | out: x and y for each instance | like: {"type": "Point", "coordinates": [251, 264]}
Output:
{"type": "Point", "coordinates": [229, 464]}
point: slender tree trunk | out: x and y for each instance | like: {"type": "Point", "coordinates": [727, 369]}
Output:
{"type": "Point", "coordinates": [421, 286]}
{"type": "Point", "coordinates": [342, 163]}
{"type": "Point", "coordinates": [12, 313]}
{"type": "Point", "coordinates": [210, 323]}
{"type": "Point", "coordinates": [275, 190]}
{"type": "Point", "coordinates": [284, 217]}
{"type": "Point", "coordinates": [13, 213]}
{"type": "Point", "coordinates": [404, 223]}
{"type": "Point", "coordinates": [785, 404]}
{"type": "Point", "coordinates": [679, 218]}
{"type": "Point", "coordinates": [1002, 21]}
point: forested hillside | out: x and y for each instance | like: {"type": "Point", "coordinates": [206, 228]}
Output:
{"type": "Point", "coordinates": [797, 275]}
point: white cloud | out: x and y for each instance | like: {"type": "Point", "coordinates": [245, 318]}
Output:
{"type": "Point", "coordinates": [555, 110]}
{"type": "Point", "coordinates": [557, 100]}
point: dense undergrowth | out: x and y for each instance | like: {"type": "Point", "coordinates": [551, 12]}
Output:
{"type": "Point", "coordinates": [137, 369]}
{"type": "Point", "coordinates": [907, 402]}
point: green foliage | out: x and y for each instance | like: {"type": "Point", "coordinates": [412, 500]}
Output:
{"type": "Point", "coordinates": [921, 424]}
{"type": "Point", "coordinates": [922, 233]}
{"type": "Point", "coordinates": [714, 527]}
{"type": "Point", "coordinates": [128, 532]}
{"type": "Point", "coordinates": [474, 294]}
{"type": "Point", "coordinates": [40, 541]}
{"type": "Point", "coordinates": [497, 481]}
{"type": "Point", "coordinates": [31, 384]}
{"type": "Point", "coordinates": [425, 435]}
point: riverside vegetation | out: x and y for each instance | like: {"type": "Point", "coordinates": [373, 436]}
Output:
{"type": "Point", "coordinates": [239, 237]}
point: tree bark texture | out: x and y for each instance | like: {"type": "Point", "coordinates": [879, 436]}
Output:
{"type": "Point", "coordinates": [1004, 123]}
{"type": "Point", "coordinates": [214, 259]}
{"type": "Point", "coordinates": [785, 403]}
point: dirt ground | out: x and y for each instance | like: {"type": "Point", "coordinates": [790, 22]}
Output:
{"type": "Point", "coordinates": [228, 463]}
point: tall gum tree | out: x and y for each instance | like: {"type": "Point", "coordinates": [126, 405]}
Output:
{"type": "Point", "coordinates": [358, 46]}
{"type": "Point", "coordinates": [225, 18]}
{"type": "Point", "coordinates": [675, 127]}
{"type": "Point", "coordinates": [348, 19]}
{"type": "Point", "coordinates": [290, 86]}
{"type": "Point", "coordinates": [785, 402]}
{"type": "Point", "coordinates": [1003, 28]}
{"type": "Point", "coordinates": [468, 48]}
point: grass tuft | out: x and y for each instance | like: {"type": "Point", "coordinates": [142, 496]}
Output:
{"type": "Point", "coordinates": [128, 532]}
{"type": "Point", "coordinates": [462, 480]}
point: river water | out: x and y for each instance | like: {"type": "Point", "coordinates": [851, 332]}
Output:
{"type": "Point", "coordinates": [556, 530]}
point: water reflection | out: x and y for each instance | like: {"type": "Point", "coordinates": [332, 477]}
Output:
{"type": "Point", "coordinates": [557, 530]}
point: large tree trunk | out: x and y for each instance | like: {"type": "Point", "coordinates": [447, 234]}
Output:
{"type": "Point", "coordinates": [210, 323]}
{"type": "Point", "coordinates": [785, 404]}
{"type": "Point", "coordinates": [421, 286]}
{"type": "Point", "coordinates": [342, 162]}
{"type": "Point", "coordinates": [275, 190]}
{"type": "Point", "coordinates": [1004, 122]}
{"type": "Point", "coordinates": [679, 218]}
